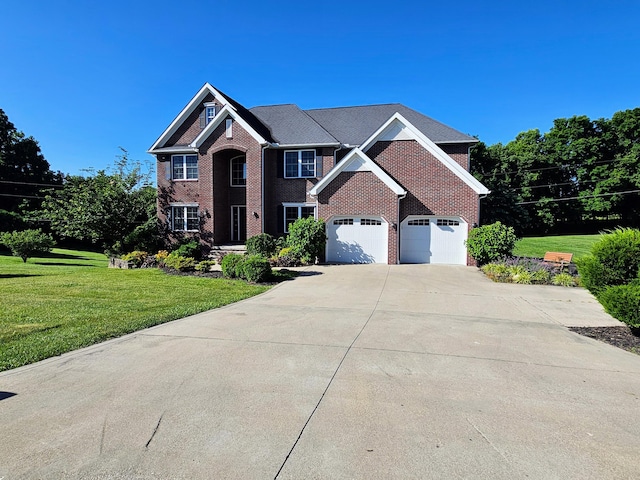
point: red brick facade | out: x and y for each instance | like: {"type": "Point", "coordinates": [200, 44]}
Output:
{"type": "Point", "coordinates": [432, 188]}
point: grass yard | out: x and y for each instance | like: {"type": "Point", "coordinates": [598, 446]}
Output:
{"type": "Point", "coordinates": [70, 299]}
{"type": "Point", "coordinates": [579, 245]}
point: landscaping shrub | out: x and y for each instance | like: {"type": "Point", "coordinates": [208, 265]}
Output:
{"type": "Point", "coordinates": [286, 259]}
{"type": "Point", "coordinates": [491, 242]}
{"type": "Point", "coordinates": [136, 257]}
{"type": "Point", "coordinates": [623, 302]}
{"type": "Point", "coordinates": [27, 243]}
{"type": "Point", "coordinates": [307, 239]}
{"type": "Point", "coordinates": [255, 269]}
{"type": "Point", "coordinates": [519, 274]}
{"type": "Point", "coordinates": [161, 256]}
{"type": "Point", "coordinates": [178, 262]}
{"type": "Point", "coordinates": [205, 265]}
{"type": "Point", "coordinates": [262, 244]}
{"type": "Point", "coordinates": [564, 280]}
{"type": "Point", "coordinates": [230, 264]}
{"type": "Point", "coordinates": [614, 260]}
{"type": "Point", "coordinates": [191, 248]}
{"type": "Point", "coordinates": [541, 277]}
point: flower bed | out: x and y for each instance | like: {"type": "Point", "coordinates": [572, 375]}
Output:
{"type": "Point", "coordinates": [531, 271]}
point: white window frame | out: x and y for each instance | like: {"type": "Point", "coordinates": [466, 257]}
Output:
{"type": "Point", "coordinates": [185, 218]}
{"type": "Point", "coordinates": [244, 172]}
{"type": "Point", "coordinates": [209, 108]}
{"type": "Point", "coordinates": [299, 172]}
{"type": "Point", "coordinates": [182, 158]}
{"type": "Point", "coordinates": [299, 207]}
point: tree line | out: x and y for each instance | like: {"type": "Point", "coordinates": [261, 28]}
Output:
{"type": "Point", "coordinates": [582, 176]}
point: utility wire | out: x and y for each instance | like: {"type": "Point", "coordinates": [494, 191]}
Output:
{"type": "Point", "coordinates": [577, 198]}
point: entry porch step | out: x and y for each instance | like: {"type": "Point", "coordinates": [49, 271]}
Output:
{"type": "Point", "coordinates": [218, 252]}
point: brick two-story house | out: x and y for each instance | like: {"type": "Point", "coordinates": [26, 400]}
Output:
{"type": "Point", "coordinates": [392, 184]}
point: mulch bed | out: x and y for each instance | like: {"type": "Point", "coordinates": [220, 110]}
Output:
{"type": "Point", "coordinates": [622, 337]}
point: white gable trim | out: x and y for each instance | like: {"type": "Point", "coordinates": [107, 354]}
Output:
{"type": "Point", "coordinates": [186, 111]}
{"type": "Point", "coordinates": [399, 128]}
{"type": "Point", "coordinates": [226, 111]}
{"type": "Point", "coordinates": [357, 161]}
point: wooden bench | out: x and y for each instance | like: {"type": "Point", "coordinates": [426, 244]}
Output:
{"type": "Point", "coordinates": [558, 259]}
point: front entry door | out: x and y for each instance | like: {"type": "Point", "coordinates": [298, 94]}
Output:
{"type": "Point", "coordinates": [238, 223]}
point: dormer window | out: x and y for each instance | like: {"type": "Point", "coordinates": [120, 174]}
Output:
{"type": "Point", "coordinates": [210, 112]}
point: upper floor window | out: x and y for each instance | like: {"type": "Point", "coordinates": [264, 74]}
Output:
{"type": "Point", "coordinates": [184, 167]}
{"type": "Point", "coordinates": [300, 164]}
{"type": "Point", "coordinates": [238, 171]}
{"type": "Point", "coordinates": [210, 112]}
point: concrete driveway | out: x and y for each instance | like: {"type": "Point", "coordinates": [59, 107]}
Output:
{"type": "Point", "coordinates": [368, 372]}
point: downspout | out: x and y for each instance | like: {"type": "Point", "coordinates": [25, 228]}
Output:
{"type": "Point", "coordinates": [400, 197]}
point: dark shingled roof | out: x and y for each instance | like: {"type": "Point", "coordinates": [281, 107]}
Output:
{"type": "Point", "coordinates": [291, 126]}
{"type": "Point", "coordinates": [250, 118]}
{"type": "Point", "coordinates": [353, 125]}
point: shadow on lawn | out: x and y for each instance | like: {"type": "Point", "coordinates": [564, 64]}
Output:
{"type": "Point", "coordinates": [62, 256]}
{"type": "Point", "coordinates": [61, 264]}
{"type": "Point", "coordinates": [18, 275]}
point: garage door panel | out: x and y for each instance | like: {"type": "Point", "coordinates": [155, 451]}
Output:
{"type": "Point", "coordinates": [357, 240]}
{"type": "Point", "coordinates": [433, 240]}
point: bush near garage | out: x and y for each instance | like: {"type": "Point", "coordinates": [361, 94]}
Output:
{"type": "Point", "coordinates": [614, 260]}
{"type": "Point", "coordinates": [491, 242]}
{"type": "Point", "coordinates": [307, 239]}
{"type": "Point", "coordinates": [623, 302]}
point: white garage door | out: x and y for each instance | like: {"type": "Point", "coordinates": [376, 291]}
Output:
{"type": "Point", "coordinates": [357, 240]}
{"type": "Point", "coordinates": [433, 240]}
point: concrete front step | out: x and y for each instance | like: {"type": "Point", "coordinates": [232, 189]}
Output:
{"type": "Point", "coordinates": [219, 251]}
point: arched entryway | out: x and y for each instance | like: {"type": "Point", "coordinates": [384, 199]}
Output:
{"type": "Point", "coordinates": [230, 196]}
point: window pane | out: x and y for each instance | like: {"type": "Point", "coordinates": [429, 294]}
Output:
{"type": "Point", "coordinates": [290, 164]}
{"type": "Point", "coordinates": [290, 216]}
{"type": "Point", "coordinates": [192, 218]}
{"type": "Point", "coordinates": [238, 171]}
{"type": "Point", "coordinates": [178, 167]}
{"type": "Point", "coordinates": [178, 218]}
{"type": "Point", "coordinates": [308, 163]}
{"type": "Point", "coordinates": [307, 212]}
{"type": "Point", "coordinates": [192, 166]}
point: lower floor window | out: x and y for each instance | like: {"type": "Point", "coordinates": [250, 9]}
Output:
{"type": "Point", "coordinates": [184, 218]}
{"type": "Point", "coordinates": [293, 213]}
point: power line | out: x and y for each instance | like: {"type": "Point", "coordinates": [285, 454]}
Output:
{"type": "Point", "coordinates": [56, 185]}
{"type": "Point", "coordinates": [556, 167]}
{"type": "Point", "coordinates": [577, 198]}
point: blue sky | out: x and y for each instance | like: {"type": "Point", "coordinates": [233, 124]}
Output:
{"type": "Point", "coordinates": [85, 77]}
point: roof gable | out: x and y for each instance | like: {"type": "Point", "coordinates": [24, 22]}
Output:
{"type": "Point", "coordinates": [399, 128]}
{"type": "Point", "coordinates": [226, 111]}
{"type": "Point", "coordinates": [357, 161]}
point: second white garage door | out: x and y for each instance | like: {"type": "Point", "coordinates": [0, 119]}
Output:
{"type": "Point", "coordinates": [357, 239]}
{"type": "Point", "coordinates": [433, 240]}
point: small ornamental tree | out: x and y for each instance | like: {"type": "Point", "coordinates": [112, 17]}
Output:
{"type": "Point", "coordinates": [491, 242]}
{"type": "Point", "coordinates": [27, 243]}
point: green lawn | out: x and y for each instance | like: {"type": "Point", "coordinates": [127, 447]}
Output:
{"type": "Point", "coordinates": [70, 299]}
{"type": "Point", "coordinates": [579, 245]}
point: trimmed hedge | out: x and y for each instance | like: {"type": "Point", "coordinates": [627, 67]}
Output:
{"type": "Point", "coordinates": [614, 260]}
{"type": "Point", "coordinates": [230, 264]}
{"type": "Point", "coordinates": [255, 269]}
{"type": "Point", "coordinates": [623, 303]}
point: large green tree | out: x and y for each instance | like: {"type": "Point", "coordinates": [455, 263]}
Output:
{"type": "Point", "coordinates": [114, 210]}
{"type": "Point", "coordinates": [582, 175]}
{"type": "Point", "coordinates": [23, 169]}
